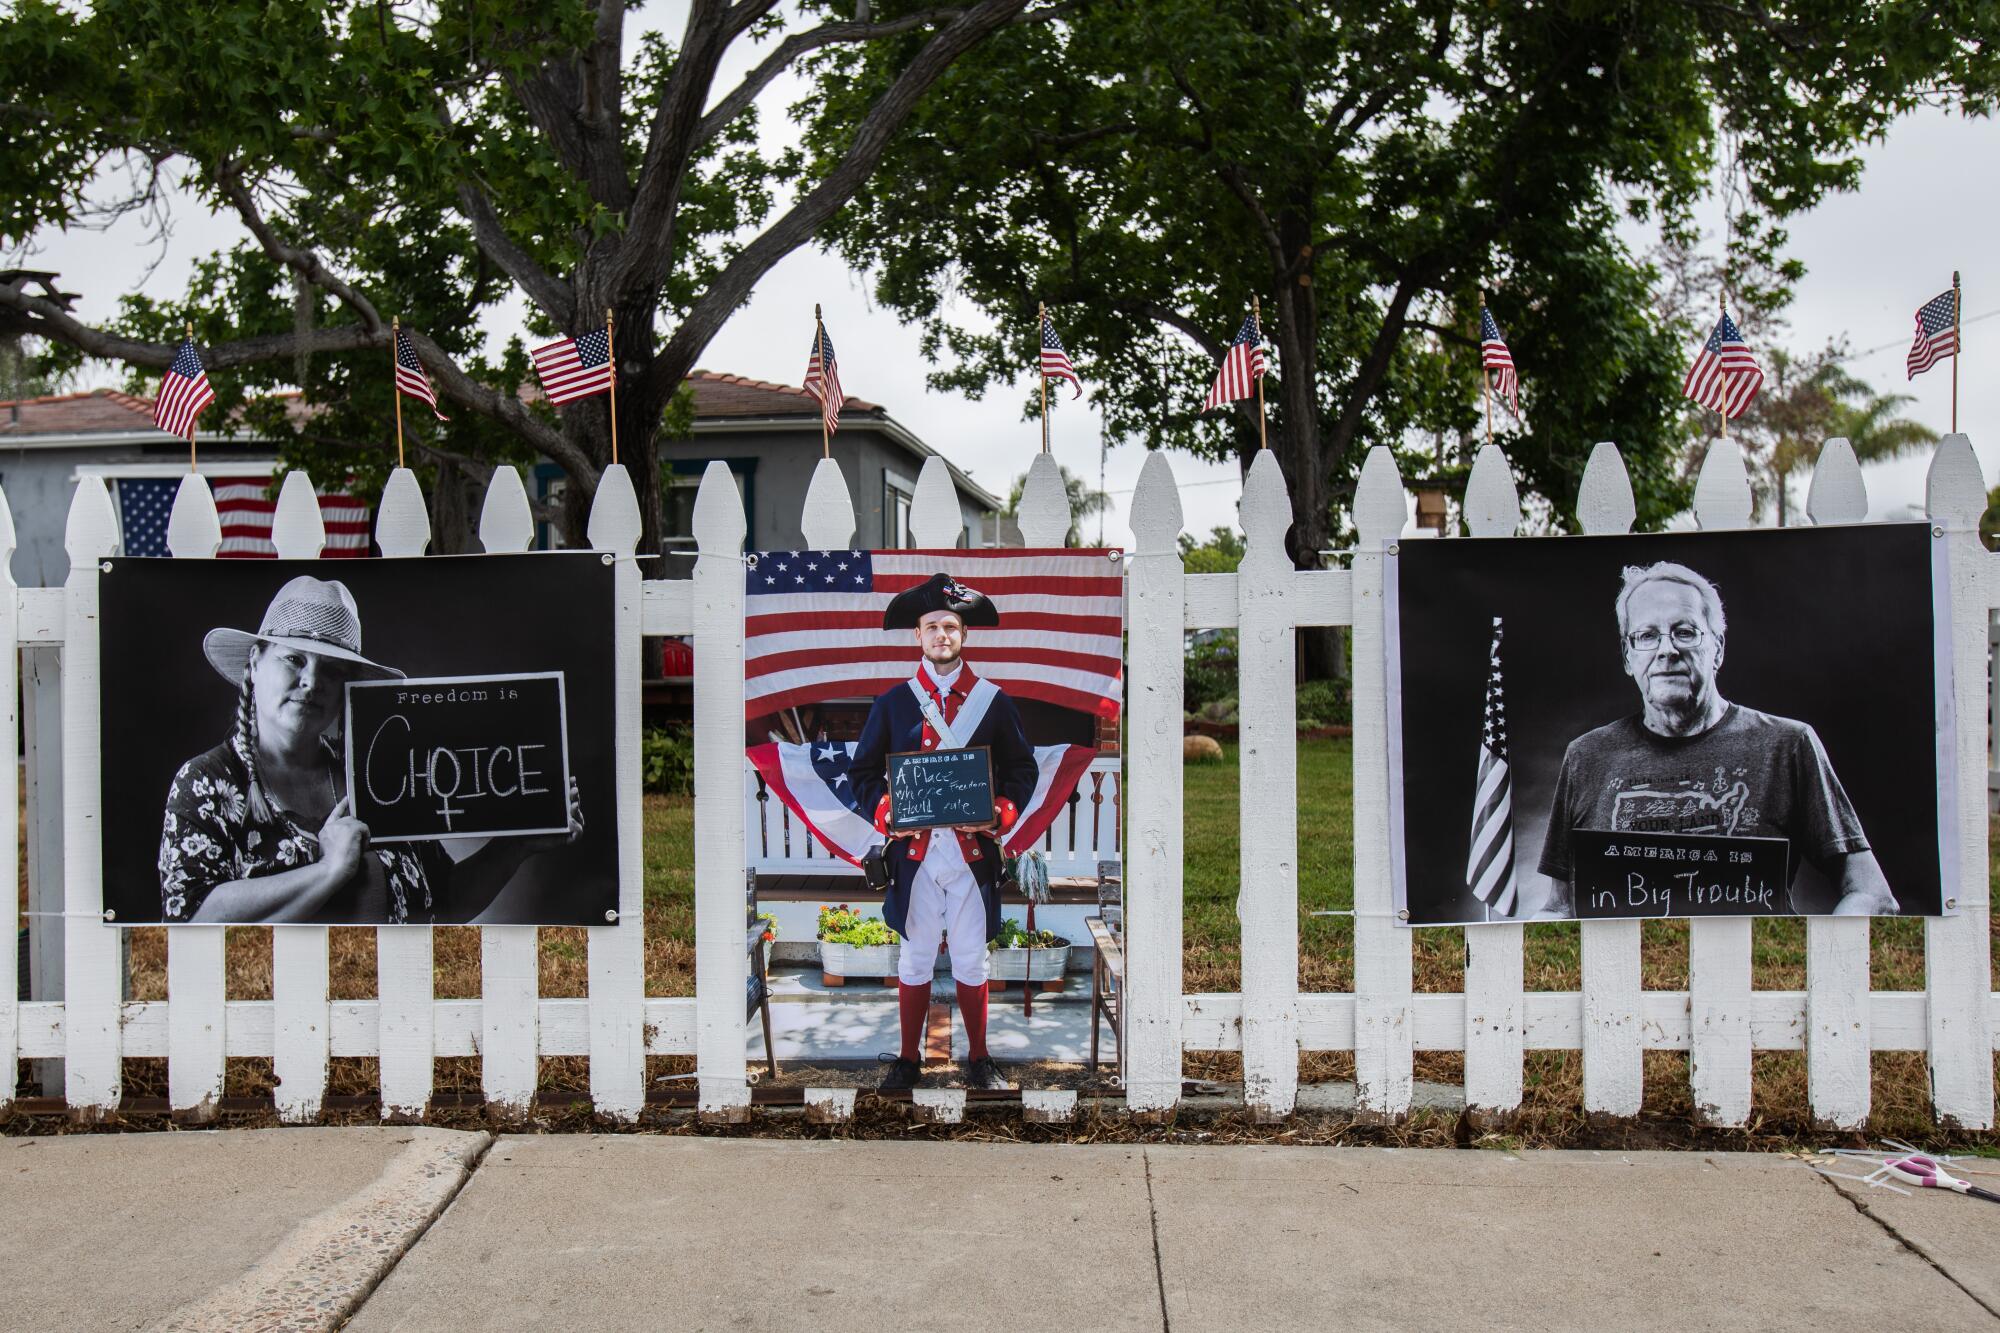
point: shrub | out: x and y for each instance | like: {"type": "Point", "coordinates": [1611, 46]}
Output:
{"type": "Point", "coordinates": [1012, 936]}
{"type": "Point", "coordinates": [1324, 703]}
{"type": "Point", "coordinates": [1211, 672]}
{"type": "Point", "coordinates": [666, 760]}
{"type": "Point", "coordinates": [844, 925]}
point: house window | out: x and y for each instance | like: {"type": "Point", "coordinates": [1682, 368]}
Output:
{"type": "Point", "coordinates": [680, 483]}
{"type": "Point", "coordinates": [896, 497]}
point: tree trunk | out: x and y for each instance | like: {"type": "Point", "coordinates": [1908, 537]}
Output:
{"type": "Point", "coordinates": [452, 508]}
{"type": "Point", "coordinates": [640, 407]}
{"type": "Point", "coordinates": [1297, 435]}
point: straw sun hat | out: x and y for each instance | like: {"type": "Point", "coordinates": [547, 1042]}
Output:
{"type": "Point", "coordinates": [312, 615]}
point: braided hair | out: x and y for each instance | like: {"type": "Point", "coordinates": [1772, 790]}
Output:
{"type": "Point", "coordinates": [245, 739]}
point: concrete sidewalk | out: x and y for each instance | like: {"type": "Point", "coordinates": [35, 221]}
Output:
{"type": "Point", "coordinates": [296, 1228]}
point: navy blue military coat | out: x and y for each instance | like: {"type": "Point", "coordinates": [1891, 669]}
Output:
{"type": "Point", "coordinates": [895, 725]}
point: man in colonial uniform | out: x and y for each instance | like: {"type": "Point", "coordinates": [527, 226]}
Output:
{"type": "Point", "coordinates": [944, 883]}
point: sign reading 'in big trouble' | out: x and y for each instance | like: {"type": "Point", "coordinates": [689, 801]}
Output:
{"type": "Point", "coordinates": [461, 756]}
{"type": "Point", "coordinates": [1627, 874]}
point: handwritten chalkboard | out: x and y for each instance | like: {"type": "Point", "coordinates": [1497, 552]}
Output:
{"type": "Point", "coordinates": [459, 756]}
{"type": "Point", "coordinates": [1680, 874]}
{"type": "Point", "coordinates": [936, 788]}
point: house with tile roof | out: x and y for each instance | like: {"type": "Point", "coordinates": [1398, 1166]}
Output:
{"type": "Point", "coordinates": [768, 434]}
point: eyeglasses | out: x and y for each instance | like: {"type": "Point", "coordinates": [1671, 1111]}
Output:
{"type": "Point", "coordinates": [1683, 635]}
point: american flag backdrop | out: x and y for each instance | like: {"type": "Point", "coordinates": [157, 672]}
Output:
{"type": "Point", "coordinates": [1725, 375]}
{"type": "Point", "coordinates": [1489, 864]}
{"type": "Point", "coordinates": [184, 392]}
{"type": "Point", "coordinates": [145, 503]}
{"type": "Point", "coordinates": [813, 625]}
{"type": "Point", "coordinates": [1497, 361]}
{"type": "Point", "coordinates": [1242, 366]}
{"type": "Point", "coordinates": [573, 368]}
{"type": "Point", "coordinates": [1937, 332]}
{"type": "Point", "coordinates": [823, 379]}
{"type": "Point", "coordinates": [1055, 361]}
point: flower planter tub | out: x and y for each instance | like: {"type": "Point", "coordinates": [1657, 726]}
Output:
{"type": "Point", "coordinates": [840, 961]}
{"type": "Point", "coordinates": [1043, 965]}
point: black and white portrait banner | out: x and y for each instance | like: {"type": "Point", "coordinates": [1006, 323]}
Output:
{"type": "Point", "coordinates": [1749, 723]}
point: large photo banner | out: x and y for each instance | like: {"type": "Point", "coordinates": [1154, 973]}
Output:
{"type": "Point", "coordinates": [1674, 725]}
{"type": "Point", "coordinates": [382, 742]}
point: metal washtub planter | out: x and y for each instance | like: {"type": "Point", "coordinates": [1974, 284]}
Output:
{"type": "Point", "coordinates": [1028, 964]}
{"type": "Point", "coordinates": [850, 960]}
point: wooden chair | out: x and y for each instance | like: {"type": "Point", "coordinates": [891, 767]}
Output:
{"type": "Point", "coordinates": [1107, 972]}
{"type": "Point", "coordinates": [759, 993]}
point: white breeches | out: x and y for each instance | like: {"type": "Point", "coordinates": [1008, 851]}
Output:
{"type": "Point", "coordinates": [944, 902]}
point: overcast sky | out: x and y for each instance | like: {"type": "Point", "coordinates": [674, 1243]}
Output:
{"type": "Point", "coordinates": [1923, 208]}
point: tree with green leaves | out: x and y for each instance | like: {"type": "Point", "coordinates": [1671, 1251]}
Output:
{"type": "Point", "coordinates": [1084, 500]}
{"type": "Point", "coordinates": [432, 162]}
{"type": "Point", "coordinates": [1145, 166]}
{"type": "Point", "coordinates": [1806, 401]}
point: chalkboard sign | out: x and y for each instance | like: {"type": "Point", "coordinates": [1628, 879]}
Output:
{"type": "Point", "coordinates": [937, 788]}
{"type": "Point", "coordinates": [459, 756]}
{"type": "Point", "coordinates": [1680, 874]}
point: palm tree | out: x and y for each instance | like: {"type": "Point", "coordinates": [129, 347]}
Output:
{"type": "Point", "coordinates": [1083, 502]}
{"type": "Point", "coordinates": [1807, 401]}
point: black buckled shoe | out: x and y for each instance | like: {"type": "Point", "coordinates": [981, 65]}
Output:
{"type": "Point", "coordinates": [985, 1076]}
{"type": "Point", "coordinates": [902, 1076]}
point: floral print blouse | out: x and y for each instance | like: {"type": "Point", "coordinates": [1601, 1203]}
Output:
{"type": "Point", "coordinates": [209, 837]}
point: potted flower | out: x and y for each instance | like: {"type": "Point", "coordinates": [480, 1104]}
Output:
{"type": "Point", "coordinates": [769, 937]}
{"type": "Point", "coordinates": [853, 945]}
{"type": "Point", "coordinates": [1026, 955]}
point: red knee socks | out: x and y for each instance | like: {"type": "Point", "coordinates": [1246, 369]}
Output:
{"type": "Point", "coordinates": [913, 1004]}
{"type": "Point", "coordinates": [972, 1007]}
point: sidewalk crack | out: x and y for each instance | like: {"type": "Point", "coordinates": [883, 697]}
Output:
{"type": "Point", "coordinates": [1861, 1207]}
{"type": "Point", "coordinates": [1159, 1268]}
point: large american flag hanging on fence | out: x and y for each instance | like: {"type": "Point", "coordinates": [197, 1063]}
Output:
{"type": "Point", "coordinates": [813, 625]}
{"type": "Point", "coordinates": [823, 379]}
{"type": "Point", "coordinates": [1489, 864]}
{"type": "Point", "coordinates": [573, 368]}
{"type": "Point", "coordinates": [1937, 332]}
{"type": "Point", "coordinates": [184, 392]}
{"type": "Point", "coordinates": [1242, 366]}
{"type": "Point", "coordinates": [1497, 362]}
{"type": "Point", "coordinates": [1724, 376]}
{"type": "Point", "coordinates": [245, 508]}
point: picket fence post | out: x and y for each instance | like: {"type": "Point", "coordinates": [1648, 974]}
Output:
{"type": "Point", "coordinates": [1958, 967]}
{"type": "Point", "coordinates": [1156, 612]}
{"type": "Point", "coordinates": [92, 980]}
{"type": "Point", "coordinates": [721, 964]}
{"type": "Point", "coordinates": [1494, 979]}
{"type": "Point", "coordinates": [828, 519]}
{"type": "Point", "coordinates": [405, 989]}
{"type": "Point", "coordinates": [935, 520]}
{"type": "Point", "coordinates": [1267, 893]}
{"type": "Point", "coordinates": [10, 805]}
{"type": "Point", "coordinates": [509, 959]}
{"type": "Point", "coordinates": [197, 976]}
{"type": "Point", "coordinates": [1043, 514]}
{"type": "Point", "coordinates": [1719, 947]}
{"type": "Point", "coordinates": [1838, 1033]}
{"type": "Point", "coordinates": [1614, 1071]}
{"type": "Point", "coordinates": [1383, 1040]}
{"type": "Point", "coordinates": [300, 1015]}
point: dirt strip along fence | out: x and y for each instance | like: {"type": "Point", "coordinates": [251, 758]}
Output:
{"type": "Point", "coordinates": [1719, 1019]}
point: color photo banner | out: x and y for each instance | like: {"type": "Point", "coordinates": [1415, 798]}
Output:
{"type": "Point", "coordinates": [1748, 723]}
{"type": "Point", "coordinates": [409, 742]}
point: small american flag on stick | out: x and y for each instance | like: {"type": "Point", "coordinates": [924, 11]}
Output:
{"type": "Point", "coordinates": [1489, 865]}
{"type": "Point", "coordinates": [823, 377]}
{"type": "Point", "coordinates": [1725, 375]}
{"type": "Point", "coordinates": [1497, 362]}
{"type": "Point", "coordinates": [1937, 332]}
{"type": "Point", "coordinates": [1055, 361]}
{"type": "Point", "coordinates": [1242, 366]}
{"type": "Point", "coordinates": [184, 392]}
{"type": "Point", "coordinates": [410, 377]}
{"type": "Point", "coordinates": [573, 368]}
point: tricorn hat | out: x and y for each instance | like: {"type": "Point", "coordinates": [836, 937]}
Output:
{"type": "Point", "coordinates": [940, 592]}
{"type": "Point", "coordinates": [312, 615]}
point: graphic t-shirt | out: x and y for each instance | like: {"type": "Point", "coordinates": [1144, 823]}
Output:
{"type": "Point", "coordinates": [1751, 775]}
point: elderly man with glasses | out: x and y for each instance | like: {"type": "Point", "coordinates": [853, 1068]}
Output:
{"type": "Point", "coordinates": [1690, 761]}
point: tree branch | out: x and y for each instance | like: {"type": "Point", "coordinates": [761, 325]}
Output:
{"type": "Point", "coordinates": [1174, 319]}
{"type": "Point", "coordinates": [505, 408]}
{"type": "Point", "coordinates": [1372, 369]}
{"type": "Point", "coordinates": [556, 298]}
{"type": "Point", "coordinates": [304, 262]}
{"type": "Point", "coordinates": [49, 320]}
{"type": "Point", "coordinates": [1230, 173]}
{"type": "Point", "coordinates": [731, 287]}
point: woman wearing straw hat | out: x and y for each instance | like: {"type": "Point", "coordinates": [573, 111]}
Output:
{"type": "Point", "coordinates": [261, 828]}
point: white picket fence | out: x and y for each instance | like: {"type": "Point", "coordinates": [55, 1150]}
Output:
{"type": "Point", "coordinates": [1720, 1019]}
